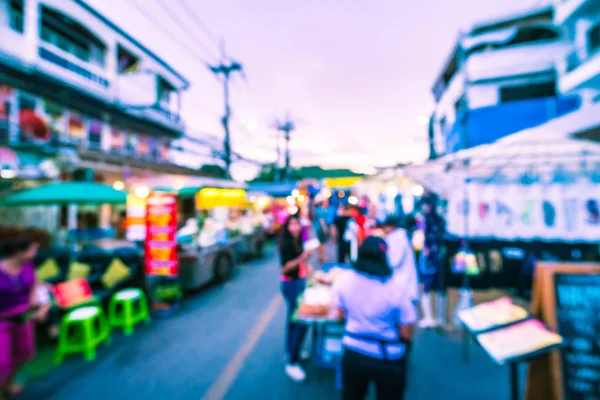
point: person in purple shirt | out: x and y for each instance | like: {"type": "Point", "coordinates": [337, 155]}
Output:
{"type": "Point", "coordinates": [17, 300]}
{"type": "Point", "coordinates": [380, 315]}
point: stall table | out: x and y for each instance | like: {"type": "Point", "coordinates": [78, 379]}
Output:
{"type": "Point", "coordinates": [327, 334]}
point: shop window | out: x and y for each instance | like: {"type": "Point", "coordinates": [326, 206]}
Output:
{"type": "Point", "coordinates": [126, 61]}
{"type": "Point", "coordinates": [71, 37]}
{"type": "Point", "coordinates": [527, 92]}
{"type": "Point", "coordinates": [16, 15]}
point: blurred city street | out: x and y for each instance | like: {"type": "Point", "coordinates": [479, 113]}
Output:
{"type": "Point", "coordinates": [228, 341]}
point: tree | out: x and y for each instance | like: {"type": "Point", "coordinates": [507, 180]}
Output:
{"type": "Point", "coordinates": [214, 170]}
{"type": "Point", "coordinates": [270, 173]}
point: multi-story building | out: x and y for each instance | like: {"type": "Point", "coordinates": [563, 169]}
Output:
{"type": "Point", "coordinates": [579, 70]}
{"type": "Point", "coordinates": [499, 79]}
{"type": "Point", "coordinates": [71, 79]}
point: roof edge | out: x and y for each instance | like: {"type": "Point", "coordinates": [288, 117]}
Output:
{"type": "Point", "coordinates": [150, 53]}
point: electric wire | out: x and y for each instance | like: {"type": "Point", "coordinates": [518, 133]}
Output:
{"type": "Point", "coordinates": [185, 29]}
{"type": "Point", "coordinates": [168, 33]}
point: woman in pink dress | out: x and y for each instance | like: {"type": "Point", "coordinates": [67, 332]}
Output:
{"type": "Point", "coordinates": [17, 300]}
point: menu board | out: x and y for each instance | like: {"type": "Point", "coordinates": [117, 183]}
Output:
{"type": "Point", "coordinates": [518, 341]}
{"type": "Point", "coordinates": [161, 228]}
{"type": "Point", "coordinates": [578, 315]}
{"type": "Point", "coordinates": [72, 292]}
{"type": "Point", "coordinates": [545, 375]}
{"type": "Point", "coordinates": [491, 315]}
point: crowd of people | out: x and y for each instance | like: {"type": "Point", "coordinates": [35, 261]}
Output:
{"type": "Point", "coordinates": [378, 298]}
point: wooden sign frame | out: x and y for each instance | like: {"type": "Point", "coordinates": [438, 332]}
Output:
{"type": "Point", "coordinates": [548, 368]}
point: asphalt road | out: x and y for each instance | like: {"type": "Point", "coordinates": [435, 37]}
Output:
{"type": "Point", "coordinates": [227, 343]}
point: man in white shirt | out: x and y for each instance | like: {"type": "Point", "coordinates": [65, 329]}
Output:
{"type": "Point", "coordinates": [401, 256]}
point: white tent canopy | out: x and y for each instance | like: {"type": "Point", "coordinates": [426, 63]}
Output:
{"type": "Point", "coordinates": [541, 149]}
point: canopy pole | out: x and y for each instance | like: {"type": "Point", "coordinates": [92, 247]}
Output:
{"type": "Point", "coordinates": [72, 216]}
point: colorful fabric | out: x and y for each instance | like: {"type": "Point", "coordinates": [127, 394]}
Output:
{"type": "Point", "coordinates": [17, 346]}
{"type": "Point", "coordinates": [15, 291]}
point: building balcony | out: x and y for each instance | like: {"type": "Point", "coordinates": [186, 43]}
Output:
{"type": "Point", "coordinates": [12, 45]}
{"type": "Point", "coordinates": [566, 10]}
{"type": "Point", "coordinates": [580, 69]}
{"type": "Point", "coordinates": [136, 92]}
{"type": "Point", "coordinates": [60, 64]}
{"type": "Point", "coordinates": [514, 61]}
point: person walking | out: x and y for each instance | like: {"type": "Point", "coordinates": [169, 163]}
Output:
{"type": "Point", "coordinates": [401, 255]}
{"type": "Point", "coordinates": [321, 228]}
{"type": "Point", "coordinates": [380, 317]}
{"type": "Point", "coordinates": [294, 270]}
{"type": "Point", "coordinates": [430, 265]}
{"type": "Point", "coordinates": [340, 224]}
{"type": "Point", "coordinates": [18, 307]}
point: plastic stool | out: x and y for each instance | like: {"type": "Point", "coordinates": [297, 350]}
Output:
{"type": "Point", "coordinates": [93, 330]}
{"type": "Point", "coordinates": [128, 316]}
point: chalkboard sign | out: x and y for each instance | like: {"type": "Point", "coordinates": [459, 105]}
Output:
{"type": "Point", "coordinates": [578, 317]}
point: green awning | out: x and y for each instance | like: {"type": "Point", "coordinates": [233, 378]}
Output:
{"type": "Point", "coordinates": [184, 192]}
{"type": "Point", "coordinates": [77, 193]}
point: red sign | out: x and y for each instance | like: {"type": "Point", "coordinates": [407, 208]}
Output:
{"type": "Point", "coordinates": [161, 227]}
{"type": "Point", "coordinates": [71, 293]}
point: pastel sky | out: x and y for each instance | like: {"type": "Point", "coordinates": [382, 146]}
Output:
{"type": "Point", "coordinates": [354, 74]}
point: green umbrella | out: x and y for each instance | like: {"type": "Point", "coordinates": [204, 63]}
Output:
{"type": "Point", "coordinates": [76, 193]}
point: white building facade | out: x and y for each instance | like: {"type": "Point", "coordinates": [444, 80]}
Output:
{"type": "Point", "coordinates": [499, 79]}
{"type": "Point", "coordinates": [70, 78]}
{"type": "Point", "coordinates": [579, 71]}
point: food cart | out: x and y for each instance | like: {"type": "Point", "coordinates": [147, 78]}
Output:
{"type": "Point", "coordinates": [256, 223]}
{"type": "Point", "coordinates": [209, 242]}
{"type": "Point", "coordinates": [314, 310]}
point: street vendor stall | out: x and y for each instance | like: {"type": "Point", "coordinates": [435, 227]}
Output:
{"type": "Point", "coordinates": [207, 230]}
{"type": "Point", "coordinates": [314, 311]}
{"type": "Point", "coordinates": [103, 266]}
{"type": "Point", "coordinates": [533, 195]}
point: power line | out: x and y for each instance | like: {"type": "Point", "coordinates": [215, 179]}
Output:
{"type": "Point", "coordinates": [168, 33]}
{"type": "Point", "coordinates": [185, 28]}
{"type": "Point", "coordinates": [226, 69]}
{"type": "Point", "coordinates": [192, 14]}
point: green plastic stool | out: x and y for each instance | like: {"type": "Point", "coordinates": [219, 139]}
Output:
{"type": "Point", "coordinates": [128, 315]}
{"type": "Point", "coordinates": [93, 330]}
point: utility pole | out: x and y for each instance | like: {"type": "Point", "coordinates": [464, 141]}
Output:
{"type": "Point", "coordinates": [286, 128]}
{"type": "Point", "coordinates": [226, 69]}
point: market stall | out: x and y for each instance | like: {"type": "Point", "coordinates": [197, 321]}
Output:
{"type": "Point", "coordinates": [282, 201]}
{"type": "Point", "coordinates": [531, 196]}
{"type": "Point", "coordinates": [314, 310]}
{"type": "Point", "coordinates": [208, 226]}
{"type": "Point", "coordinates": [105, 266]}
